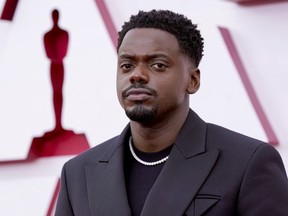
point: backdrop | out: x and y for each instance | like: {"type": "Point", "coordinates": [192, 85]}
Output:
{"type": "Point", "coordinates": [244, 83]}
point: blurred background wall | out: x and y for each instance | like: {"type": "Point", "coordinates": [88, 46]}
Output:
{"type": "Point", "coordinates": [243, 71]}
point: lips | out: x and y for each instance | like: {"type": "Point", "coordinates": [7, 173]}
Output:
{"type": "Point", "coordinates": [138, 94]}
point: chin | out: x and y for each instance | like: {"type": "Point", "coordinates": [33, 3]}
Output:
{"type": "Point", "coordinates": [140, 113]}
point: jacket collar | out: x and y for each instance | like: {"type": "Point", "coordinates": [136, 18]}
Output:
{"type": "Point", "coordinates": [184, 172]}
{"type": "Point", "coordinates": [106, 181]}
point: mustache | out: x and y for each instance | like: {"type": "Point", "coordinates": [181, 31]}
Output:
{"type": "Point", "coordinates": [136, 86]}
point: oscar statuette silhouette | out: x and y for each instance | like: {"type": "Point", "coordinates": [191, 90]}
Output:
{"type": "Point", "coordinates": [58, 141]}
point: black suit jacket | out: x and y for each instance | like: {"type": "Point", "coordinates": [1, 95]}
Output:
{"type": "Point", "coordinates": [211, 171]}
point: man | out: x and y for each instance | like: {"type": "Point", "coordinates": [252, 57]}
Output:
{"type": "Point", "coordinates": [168, 161]}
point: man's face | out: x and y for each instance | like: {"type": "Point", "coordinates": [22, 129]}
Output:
{"type": "Point", "coordinates": [153, 76]}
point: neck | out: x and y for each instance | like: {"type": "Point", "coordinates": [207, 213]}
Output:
{"type": "Point", "coordinates": [157, 136]}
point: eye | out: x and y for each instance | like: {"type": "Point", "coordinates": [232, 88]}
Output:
{"type": "Point", "coordinates": [126, 67]}
{"type": "Point", "coordinates": [159, 66]}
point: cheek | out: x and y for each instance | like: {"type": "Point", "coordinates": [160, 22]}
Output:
{"type": "Point", "coordinates": [174, 87]}
{"type": "Point", "coordinates": [119, 88]}
{"type": "Point", "coordinates": [168, 92]}
{"type": "Point", "coordinates": [174, 92]}
{"type": "Point", "coordinates": [120, 81]}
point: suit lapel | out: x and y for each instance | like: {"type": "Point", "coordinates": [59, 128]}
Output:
{"type": "Point", "coordinates": [106, 183]}
{"type": "Point", "coordinates": [178, 184]}
{"type": "Point", "coordinates": [184, 173]}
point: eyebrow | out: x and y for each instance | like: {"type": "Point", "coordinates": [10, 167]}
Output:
{"type": "Point", "coordinates": [150, 56]}
{"type": "Point", "coordinates": [126, 56]}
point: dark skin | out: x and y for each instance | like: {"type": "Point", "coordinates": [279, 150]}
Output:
{"type": "Point", "coordinates": [152, 57]}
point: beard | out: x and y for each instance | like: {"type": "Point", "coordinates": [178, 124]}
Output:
{"type": "Point", "coordinates": [141, 114]}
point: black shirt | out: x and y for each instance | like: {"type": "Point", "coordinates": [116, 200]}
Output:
{"type": "Point", "coordinates": [140, 178]}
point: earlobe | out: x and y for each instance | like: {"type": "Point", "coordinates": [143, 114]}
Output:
{"type": "Point", "coordinates": [194, 82]}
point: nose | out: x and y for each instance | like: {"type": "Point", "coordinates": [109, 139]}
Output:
{"type": "Point", "coordinates": [139, 75]}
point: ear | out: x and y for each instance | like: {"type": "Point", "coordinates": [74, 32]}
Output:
{"type": "Point", "coordinates": [194, 81]}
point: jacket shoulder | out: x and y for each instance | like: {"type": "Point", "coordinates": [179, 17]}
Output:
{"type": "Point", "coordinates": [224, 138]}
{"type": "Point", "coordinates": [95, 153]}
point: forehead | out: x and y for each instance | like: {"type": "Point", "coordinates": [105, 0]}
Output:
{"type": "Point", "coordinates": [145, 40]}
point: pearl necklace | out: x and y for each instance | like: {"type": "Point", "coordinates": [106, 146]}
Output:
{"type": "Point", "coordinates": [145, 162]}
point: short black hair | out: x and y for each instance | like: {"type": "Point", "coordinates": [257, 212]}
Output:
{"type": "Point", "coordinates": [189, 38]}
